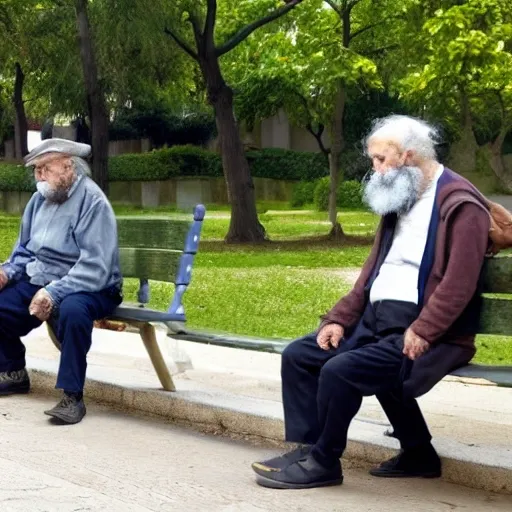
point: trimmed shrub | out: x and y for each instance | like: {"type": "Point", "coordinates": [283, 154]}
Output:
{"type": "Point", "coordinates": [321, 195]}
{"type": "Point", "coordinates": [348, 195]}
{"type": "Point", "coordinates": [283, 164]}
{"type": "Point", "coordinates": [179, 161]}
{"type": "Point", "coordinates": [303, 193]}
{"type": "Point", "coordinates": [16, 178]}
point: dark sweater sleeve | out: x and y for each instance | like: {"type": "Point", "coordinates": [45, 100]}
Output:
{"type": "Point", "coordinates": [349, 309]}
{"type": "Point", "coordinates": [467, 246]}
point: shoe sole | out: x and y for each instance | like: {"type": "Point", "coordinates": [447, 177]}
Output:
{"type": "Point", "coordinates": [401, 474]}
{"type": "Point", "coordinates": [275, 484]}
{"type": "Point", "coordinates": [62, 420]}
{"type": "Point", "coordinates": [21, 391]}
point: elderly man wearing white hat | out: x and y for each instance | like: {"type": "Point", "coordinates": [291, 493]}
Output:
{"type": "Point", "coordinates": [64, 268]}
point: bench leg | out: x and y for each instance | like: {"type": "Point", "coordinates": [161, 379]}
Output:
{"type": "Point", "coordinates": [52, 335]}
{"type": "Point", "coordinates": [148, 335]}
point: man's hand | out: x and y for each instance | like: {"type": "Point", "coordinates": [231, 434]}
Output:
{"type": "Point", "coordinates": [330, 336]}
{"type": "Point", "coordinates": [414, 346]}
{"type": "Point", "coordinates": [3, 279]}
{"type": "Point", "coordinates": [41, 305]}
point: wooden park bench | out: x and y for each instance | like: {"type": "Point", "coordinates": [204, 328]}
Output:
{"type": "Point", "coordinates": [496, 319]}
{"type": "Point", "coordinates": [159, 249]}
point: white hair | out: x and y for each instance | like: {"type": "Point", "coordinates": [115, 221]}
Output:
{"type": "Point", "coordinates": [409, 133]}
{"type": "Point", "coordinates": [80, 166]}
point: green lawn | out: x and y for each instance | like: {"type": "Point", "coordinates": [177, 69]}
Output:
{"type": "Point", "coordinates": [274, 290]}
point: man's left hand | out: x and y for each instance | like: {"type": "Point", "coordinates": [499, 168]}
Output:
{"type": "Point", "coordinates": [414, 346]}
{"type": "Point", "coordinates": [41, 305]}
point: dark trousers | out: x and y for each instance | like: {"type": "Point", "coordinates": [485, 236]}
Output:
{"type": "Point", "coordinates": [323, 390]}
{"type": "Point", "coordinates": [73, 324]}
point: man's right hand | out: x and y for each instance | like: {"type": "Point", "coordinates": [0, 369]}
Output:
{"type": "Point", "coordinates": [3, 279]}
{"type": "Point", "coordinates": [330, 336]}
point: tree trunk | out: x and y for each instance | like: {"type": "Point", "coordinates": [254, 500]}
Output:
{"type": "Point", "coordinates": [20, 123]}
{"type": "Point", "coordinates": [337, 144]}
{"type": "Point", "coordinates": [98, 113]}
{"type": "Point", "coordinates": [462, 155]}
{"type": "Point", "coordinates": [494, 153]}
{"type": "Point", "coordinates": [244, 225]}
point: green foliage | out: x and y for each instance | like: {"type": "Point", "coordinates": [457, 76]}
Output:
{"type": "Point", "coordinates": [164, 164]}
{"type": "Point", "coordinates": [161, 126]}
{"type": "Point", "coordinates": [321, 196]}
{"type": "Point", "coordinates": [286, 165]}
{"type": "Point", "coordinates": [299, 68]}
{"type": "Point", "coordinates": [177, 161]}
{"type": "Point", "coordinates": [348, 195]}
{"type": "Point", "coordinates": [462, 62]}
{"type": "Point", "coordinates": [16, 178]}
{"type": "Point", "coordinates": [303, 193]}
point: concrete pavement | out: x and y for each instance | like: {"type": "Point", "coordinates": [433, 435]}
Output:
{"type": "Point", "coordinates": [237, 392]}
{"type": "Point", "coordinates": [117, 462]}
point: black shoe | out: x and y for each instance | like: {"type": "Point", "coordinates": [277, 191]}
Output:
{"type": "Point", "coordinates": [305, 473]}
{"type": "Point", "coordinates": [279, 463]}
{"type": "Point", "coordinates": [419, 463]}
{"type": "Point", "coordinates": [69, 410]}
{"type": "Point", "coordinates": [16, 382]}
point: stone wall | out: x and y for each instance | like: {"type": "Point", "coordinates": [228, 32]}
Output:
{"type": "Point", "coordinates": [14, 202]}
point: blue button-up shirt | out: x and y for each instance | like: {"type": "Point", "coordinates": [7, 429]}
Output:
{"type": "Point", "coordinates": [69, 247]}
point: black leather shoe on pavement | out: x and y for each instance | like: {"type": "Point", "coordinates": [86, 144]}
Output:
{"type": "Point", "coordinates": [16, 382]}
{"type": "Point", "coordinates": [279, 463]}
{"type": "Point", "coordinates": [69, 410]}
{"type": "Point", "coordinates": [412, 463]}
{"type": "Point", "coordinates": [305, 473]}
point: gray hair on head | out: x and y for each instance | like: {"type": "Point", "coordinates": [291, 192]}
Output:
{"type": "Point", "coordinates": [81, 166]}
{"type": "Point", "coordinates": [409, 133]}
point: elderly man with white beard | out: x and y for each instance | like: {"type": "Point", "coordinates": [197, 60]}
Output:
{"type": "Point", "coordinates": [409, 320]}
{"type": "Point", "coordinates": [64, 269]}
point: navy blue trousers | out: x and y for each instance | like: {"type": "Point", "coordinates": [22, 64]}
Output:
{"type": "Point", "coordinates": [73, 323]}
{"type": "Point", "coordinates": [323, 390]}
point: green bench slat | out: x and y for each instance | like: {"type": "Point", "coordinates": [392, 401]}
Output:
{"type": "Point", "coordinates": [496, 317]}
{"type": "Point", "coordinates": [498, 275]}
{"type": "Point", "coordinates": [152, 232]}
{"type": "Point", "coordinates": [155, 264]}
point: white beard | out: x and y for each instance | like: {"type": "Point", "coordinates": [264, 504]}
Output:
{"type": "Point", "coordinates": [396, 191]}
{"type": "Point", "coordinates": [51, 194]}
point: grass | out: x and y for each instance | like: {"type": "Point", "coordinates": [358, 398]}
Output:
{"type": "Point", "coordinates": [277, 289]}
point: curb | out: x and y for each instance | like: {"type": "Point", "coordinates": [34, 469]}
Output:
{"type": "Point", "coordinates": [478, 467]}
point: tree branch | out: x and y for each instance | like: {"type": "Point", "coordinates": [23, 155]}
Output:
{"type": "Point", "coordinates": [181, 44]}
{"type": "Point", "coordinates": [198, 35]}
{"type": "Point", "coordinates": [348, 6]}
{"type": "Point", "coordinates": [372, 25]}
{"type": "Point", "coordinates": [245, 32]}
{"type": "Point", "coordinates": [209, 24]}
{"type": "Point", "coordinates": [334, 6]}
{"type": "Point", "coordinates": [318, 136]}
{"type": "Point", "coordinates": [376, 51]}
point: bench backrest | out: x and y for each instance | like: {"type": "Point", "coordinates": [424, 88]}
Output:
{"type": "Point", "coordinates": [159, 249]}
{"type": "Point", "coordinates": [497, 311]}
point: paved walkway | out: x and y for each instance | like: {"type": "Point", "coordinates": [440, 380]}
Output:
{"type": "Point", "coordinates": [123, 463]}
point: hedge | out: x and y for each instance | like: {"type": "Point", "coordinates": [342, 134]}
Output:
{"type": "Point", "coordinates": [190, 161]}
{"type": "Point", "coordinates": [317, 193]}
{"type": "Point", "coordinates": [16, 178]}
{"type": "Point", "coordinates": [348, 195]}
